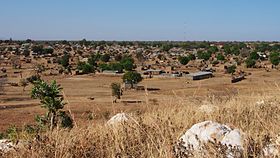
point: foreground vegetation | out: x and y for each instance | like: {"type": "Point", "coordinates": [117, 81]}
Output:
{"type": "Point", "coordinates": [154, 131]}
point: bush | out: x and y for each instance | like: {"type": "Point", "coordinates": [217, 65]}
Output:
{"type": "Point", "coordinates": [250, 63]}
{"type": "Point", "coordinates": [86, 68]}
{"type": "Point", "coordinates": [231, 69]}
{"type": "Point", "coordinates": [105, 58]}
{"type": "Point", "coordinates": [203, 55]}
{"type": "Point", "coordinates": [254, 56]}
{"type": "Point", "coordinates": [220, 57]}
{"type": "Point", "coordinates": [274, 58]}
{"type": "Point", "coordinates": [183, 60]}
{"type": "Point", "coordinates": [128, 64]}
{"type": "Point", "coordinates": [64, 61]}
{"type": "Point", "coordinates": [191, 57]}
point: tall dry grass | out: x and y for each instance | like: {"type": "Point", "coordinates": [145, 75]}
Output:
{"type": "Point", "coordinates": [154, 131]}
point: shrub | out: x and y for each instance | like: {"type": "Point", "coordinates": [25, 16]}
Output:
{"type": "Point", "coordinates": [250, 63]}
{"type": "Point", "coordinates": [203, 55]}
{"type": "Point", "coordinates": [231, 69]}
{"type": "Point", "coordinates": [220, 57]}
{"type": "Point", "coordinates": [184, 60]}
{"type": "Point", "coordinates": [86, 68]}
{"type": "Point", "coordinates": [274, 58]}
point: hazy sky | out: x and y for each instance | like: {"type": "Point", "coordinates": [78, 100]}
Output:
{"type": "Point", "coordinates": [140, 19]}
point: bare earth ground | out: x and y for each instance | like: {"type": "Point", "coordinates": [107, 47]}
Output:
{"type": "Point", "coordinates": [17, 108]}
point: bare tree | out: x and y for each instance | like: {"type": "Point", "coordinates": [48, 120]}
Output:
{"type": "Point", "coordinates": [3, 81]}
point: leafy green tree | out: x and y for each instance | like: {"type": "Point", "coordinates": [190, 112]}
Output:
{"type": "Point", "coordinates": [116, 91]}
{"type": "Point", "coordinates": [275, 58]}
{"type": "Point", "coordinates": [127, 63]}
{"type": "Point", "coordinates": [47, 51]}
{"type": "Point", "coordinates": [254, 56]}
{"type": "Point", "coordinates": [250, 62]}
{"type": "Point", "coordinates": [191, 57]}
{"type": "Point", "coordinates": [132, 77]}
{"type": "Point", "coordinates": [116, 67]}
{"type": "Point", "coordinates": [220, 57]}
{"type": "Point", "coordinates": [51, 99]}
{"type": "Point", "coordinates": [86, 68]}
{"type": "Point", "coordinates": [64, 61]}
{"type": "Point", "coordinates": [203, 55]}
{"type": "Point", "coordinates": [183, 60]}
{"type": "Point", "coordinates": [213, 49]}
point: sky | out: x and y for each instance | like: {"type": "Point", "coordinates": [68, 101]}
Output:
{"type": "Point", "coordinates": [179, 20]}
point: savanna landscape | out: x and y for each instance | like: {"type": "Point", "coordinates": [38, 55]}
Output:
{"type": "Point", "coordinates": [139, 79]}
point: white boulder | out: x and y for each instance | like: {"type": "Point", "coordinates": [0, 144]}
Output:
{"type": "Point", "coordinates": [211, 132]}
{"type": "Point", "coordinates": [273, 149]}
{"type": "Point", "coordinates": [6, 145]}
{"type": "Point", "coordinates": [118, 118]}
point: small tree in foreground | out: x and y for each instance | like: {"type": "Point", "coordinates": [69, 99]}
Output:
{"type": "Point", "coordinates": [52, 100]}
{"type": "Point", "coordinates": [116, 91]}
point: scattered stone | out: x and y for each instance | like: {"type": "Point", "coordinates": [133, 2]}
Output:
{"type": "Point", "coordinates": [118, 118]}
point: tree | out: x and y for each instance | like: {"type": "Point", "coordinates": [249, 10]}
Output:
{"type": "Point", "coordinates": [105, 58]}
{"type": "Point", "coordinates": [275, 58]}
{"type": "Point", "coordinates": [231, 69]}
{"type": "Point", "coordinates": [203, 55]}
{"type": "Point", "coordinates": [23, 83]}
{"type": "Point", "coordinates": [191, 57]}
{"type": "Point", "coordinates": [127, 63]}
{"type": "Point", "coordinates": [213, 49]}
{"type": "Point", "coordinates": [116, 91]}
{"type": "Point", "coordinates": [183, 60]}
{"type": "Point", "coordinates": [86, 68]}
{"type": "Point", "coordinates": [37, 49]}
{"type": "Point", "coordinates": [250, 63]}
{"type": "Point", "coordinates": [51, 99]}
{"type": "Point", "coordinates": [47, 51]}
{"type": "Point", "coordinates": [64, 61]}
{"type": "Point", "coordinates": [220, 57]}
{"type": "Point", "coordinates": [92, 60]}
{"type": "Point", "coordinates": [132, 77]}
{"type": "Point", "coordinates": [254, 56]}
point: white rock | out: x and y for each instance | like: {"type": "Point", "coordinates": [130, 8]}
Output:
{"type": "Point", "coordinates": [271, 150]}
{"type": "Point", "coordinates": [6, 145]}
{"type": "Point", "coordinates": [208, 131]}
{"type": "Point", "coordinates": [207, 108]}
{"type": "Point", "coordinates": [260, 102]}
{"type": "Point", "coordinates": [118, 118]}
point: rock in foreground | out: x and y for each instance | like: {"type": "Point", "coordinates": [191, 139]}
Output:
{"type": "Point", "coordinates": [199, 137]}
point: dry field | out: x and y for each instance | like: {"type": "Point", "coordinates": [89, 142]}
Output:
{"type": "Point", "coordinates": [17, 108]}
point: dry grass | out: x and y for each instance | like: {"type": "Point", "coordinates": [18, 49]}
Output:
{"type": "Point", "coordinates": [154, 131]}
